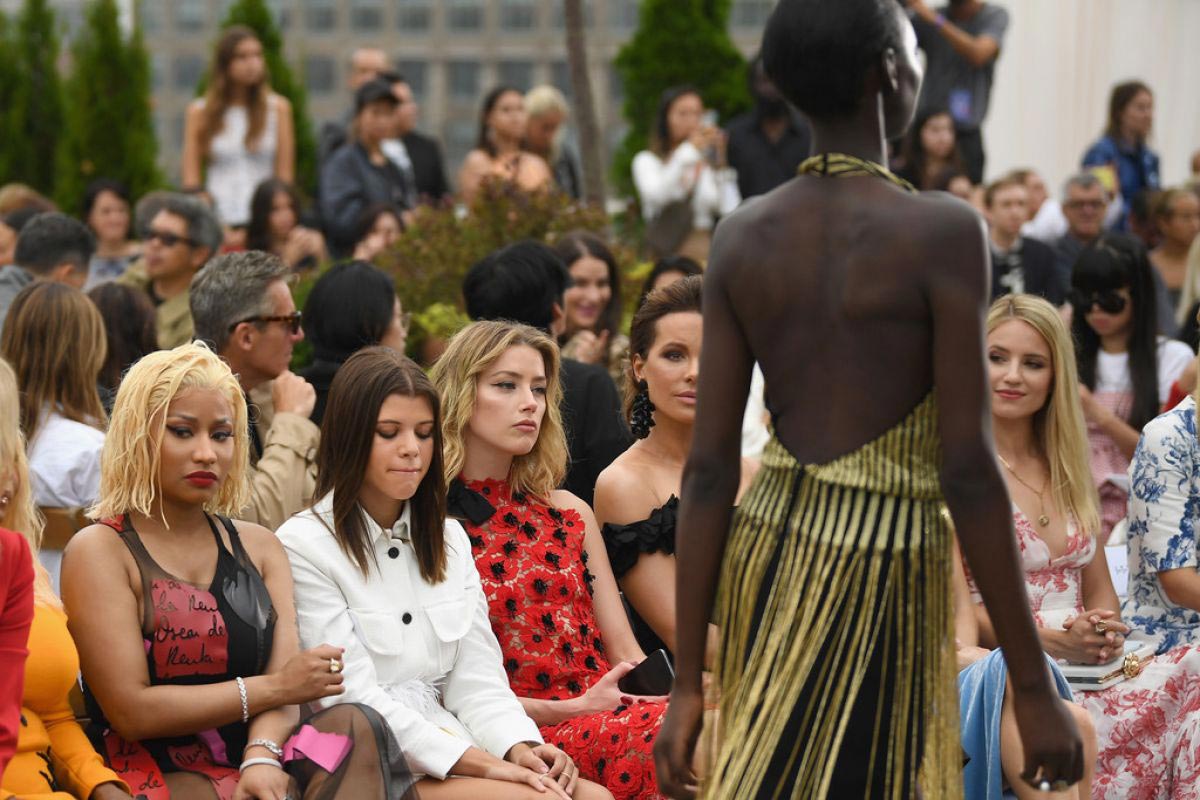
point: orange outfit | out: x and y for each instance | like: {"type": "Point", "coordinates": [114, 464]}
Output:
{"type": "Point", "coordinates": [54, 758]}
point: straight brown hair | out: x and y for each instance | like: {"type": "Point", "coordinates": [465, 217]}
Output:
{"type": "Point", "coordinates": [218, 97]}
{"type": "Point", "coordinates": [359, 389]}
{"type": "Point", "coordinates": [55, 341]}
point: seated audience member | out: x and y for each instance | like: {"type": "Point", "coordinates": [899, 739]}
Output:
{"type": "Point", "coordinates": [359, 174]}
{"type": "Point", "coordinates": [1148, 728]}
{"type": "Point", "coordinates": [51, 247]}
{"type": "Point", "coordinates": [1046, 222]}
{"type": "Point", "coordinates": [1189, 299]}
{"type": "Point", "coordinates": [1126, 370]}
{"type": "Point", "coordinates": [376, 232]}
{"type": "Point", "coordinates": [10, 228]}
{"type": "Point", "coordinates": [365, 63]}
{"type": "Point", "coordinates": [107, 214]}
{"type": "Point", "coordinates": [930, 150]}
{"type": "Point", "coordinates": [553, 601]}
{"type": "Point", "coordinates": [1123, 148]}
{"type": "Point", "coordinates": [1019, 264]}
{"type": "Point", "coordinates": [54, 339]}
{"type": "Point", "coordinates": [129, 331]}
{"type": "Point", "coordinates": [638, 495]}
{"type": "Point", "coordinates": [19, 195]}
{"type": "Point", "coordinates": [380, 571]}
{"type": "Point", "coordinates": [1176, 213]}
{"type": "Point", "coordinates": [184, 618]}
{"type": "Point", "coordinates": [665, 272]}
{"type": "Point", "coordinates": [546, 112]}
{"type": "Point", "coordinates": [350, 307]}
{"type": "Point", "coordinates": [767, 143]}
{"type": "Point", "coordinates": [16, 567]}
{"type": "Point", "coordinates": [180, 238]}
{"type": "Point", "coordinates": [16, 615]}
{"type": "Point", "coordinates": [275, 226]}
{"type": "Point", "coordinates": [244, 310]}
{"type": "Point", "coordinates": [1084, 204]}
{"type": "Point", "coordinates": [684, 167]}
{"type": "Point", "coordinates": [424, 152]}
{"type": "Point", "coordinates": [54, 759]}
{"type": "Point", "coordinates": [957, 183]}
{"type": "Point", "coordinates": [592, 304]}
{"type": "Point", "coordinates": [525, 282]}
{"type": "Point", "coordinates": [499, 151]}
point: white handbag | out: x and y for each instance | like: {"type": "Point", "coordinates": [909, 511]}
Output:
{"type": "Point", "coordinates": [1094, 677]}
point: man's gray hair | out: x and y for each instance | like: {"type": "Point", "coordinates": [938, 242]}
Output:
{"type": "Point", "coordinates": [203, 228]}
{"type": "Point", "coordinates": [1081, 180]}
{"type": "Point", "coordinates": [232, 288]}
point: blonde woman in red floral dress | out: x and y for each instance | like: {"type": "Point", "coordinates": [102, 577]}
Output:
{"type": "Point", "coordinates": [553, 601]}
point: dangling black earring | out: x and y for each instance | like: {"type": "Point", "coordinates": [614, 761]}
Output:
{"type": "Point", "coordinates": [641, 416]}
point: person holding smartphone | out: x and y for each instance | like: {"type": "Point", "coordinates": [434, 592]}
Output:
{"type": "Point", "coordinates": [683, 171]}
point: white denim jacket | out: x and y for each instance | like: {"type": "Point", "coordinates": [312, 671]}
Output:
{"type": "Point", "coordinates": [424, 656]}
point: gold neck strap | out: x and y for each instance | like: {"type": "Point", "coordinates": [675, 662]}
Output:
{"type": "Point", "coordinates": [840, 165]}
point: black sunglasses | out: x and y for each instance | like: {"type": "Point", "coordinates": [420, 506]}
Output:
{"type": "Point", "coordinates": [167, 238]}
{"type": "Point", "coordinates": [292, 320]}
{"type": "Point", "coordinates": [1109, 300]}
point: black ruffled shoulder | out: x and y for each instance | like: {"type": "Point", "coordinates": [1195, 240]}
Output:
{"type": "Point", "coordinates": [655, 534]}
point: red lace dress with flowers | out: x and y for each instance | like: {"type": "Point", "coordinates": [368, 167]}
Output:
{"type": "Point", "coordinates": [1148, 727]}
{"type": "Point", "coordinates": [533, 566]}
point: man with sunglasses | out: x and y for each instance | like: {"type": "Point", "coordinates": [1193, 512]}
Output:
{"type": "Point", "coordinates": [178, 240]}
{"type": "Point", "coordinates": [244, 310]}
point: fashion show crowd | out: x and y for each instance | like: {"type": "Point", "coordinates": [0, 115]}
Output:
{"type": "Point", "coordinates": [372, 577]}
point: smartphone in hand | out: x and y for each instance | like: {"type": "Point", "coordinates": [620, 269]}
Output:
{"type": "Point", "coordinates": [652, 678]}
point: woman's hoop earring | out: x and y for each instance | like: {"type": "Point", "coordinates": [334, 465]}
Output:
{"type": "Point", "coordinates": [641, 416]}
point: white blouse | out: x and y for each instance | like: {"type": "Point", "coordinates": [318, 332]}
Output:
{"type": "Point", "coordinates": [424, 656]}
{"type": "Point", "coordinates": [661, 182]}
{"type": "Point", "coordinates": [234, 171]}
{"type": "Point", "coordinates": [64, 462]}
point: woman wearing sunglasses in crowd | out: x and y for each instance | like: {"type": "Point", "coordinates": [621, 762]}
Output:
{"type": "Point", "coordinates": [193, 676]}
{"type": "Point", "coordinates": [1125, 368]}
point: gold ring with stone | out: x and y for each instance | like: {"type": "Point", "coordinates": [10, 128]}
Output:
{"type": "Point", "coordinates": [1101, 627]}
{"type": "Point", "coordinates": [335, 666]}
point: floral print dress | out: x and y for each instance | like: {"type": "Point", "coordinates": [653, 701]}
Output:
{"type": "Point", "coordinates": [1164, 506]}
{"type": "Point", "coordinates": [1147, 728]}
{"type": "Point", "coordinates": [533, 566]}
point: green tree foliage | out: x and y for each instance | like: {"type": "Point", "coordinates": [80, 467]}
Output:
{"type": "Point", "coordinates": [677, 42]}
{"type": "Point", "coordinates": [31, 116]}
{"type": "Point", "coordinates": [110, 128]}
{"type": "Point", "coordinates": [255, 15]}
{"type": "Point", "coordinates": [8, 85]}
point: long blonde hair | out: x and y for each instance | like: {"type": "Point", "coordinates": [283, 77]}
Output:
{"type": "Point", "coordinates": [21, 515]}
{"type": "Point", "coordinates": [55, 341]}
{"type": "Point", "coordinates": [1191, 289]}
{"type": "Point", "coordinates": [129, 462]}
{"type": "Point", "coordinates": [470, 353]}
{"type": "Point", "coordinates": [1058, 426]}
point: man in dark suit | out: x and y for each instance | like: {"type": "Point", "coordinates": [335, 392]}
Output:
{"type": "Point", "coordinates": [1019, 264]}
{"type": "Point", "coordinates": [418, 155]}
{"type": "Point", "coordinates": [524, 282]}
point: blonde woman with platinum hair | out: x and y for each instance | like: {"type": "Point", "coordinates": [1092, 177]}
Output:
{"type": "Point", "coordinates": [547, 112]}
{"type": "Point", "coordinates": [184, 619]}
{"type": "Point", "coordinates": [1147, 727]}
{"type": "Point", "coordinates": [552, 599]}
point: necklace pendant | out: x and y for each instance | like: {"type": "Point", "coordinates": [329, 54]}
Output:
{"type": "Point", "coordinates": [1043, 520]}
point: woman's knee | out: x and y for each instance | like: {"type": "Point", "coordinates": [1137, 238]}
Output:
{"type": "Point", "coordinates": [586, 790]}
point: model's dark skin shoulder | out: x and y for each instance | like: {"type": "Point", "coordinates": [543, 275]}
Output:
{"type": "Point", "coordinates": [833, 283]}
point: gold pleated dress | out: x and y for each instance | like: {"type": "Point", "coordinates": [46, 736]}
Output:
{"type": "Point", "coordinates": [836, 666]}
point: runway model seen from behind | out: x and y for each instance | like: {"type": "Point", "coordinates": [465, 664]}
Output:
{"type": "Point", "coordinates": [864, 304]}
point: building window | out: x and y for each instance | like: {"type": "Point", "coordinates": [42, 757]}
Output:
{"type": "Point", "coordinates": [464, 15]}
{"type": "Point", "coordinates": [560, 76]}
{"type": "Point", "coordinates": [458, 138]}
{"type": "Point", "coordinates": [517, 74]}
{"type": "Point", "coordinates": [186, 72]}
{"type": "Point", "coordinates": [150, 16]}
{"type": "Point", "coordinates": [464, 80]}
{"type": "Point", "coordinates": [158, 71]}
{"type": "Point", "coordinates": [518, 15]}
{"type": "Point", "coordinates": [414, 15]}
{"type": "Point", "coordinates": [189, 15]}
{"type": "Point", "coordinates": [623, 14]}
{"type": "Point", "coordinates": [366, 15]}
{"type": "Point", "coordinates": [616, 87]}
{"type": "Point", "coordinates": [320, 15]}
{"type": "Point", "coordinates": [320, 74]}
{"type": "Point", "coordinates": [559, 19]}
{"type": "Point", "coordinates": [416, 73]}
{"type": "Point", "coordinates": [282, 14]}
{"type": "Point", "coordinates": [752, 13]}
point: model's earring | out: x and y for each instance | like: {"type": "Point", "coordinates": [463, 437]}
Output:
{"type": "Point", "coordinates": [641, 416]}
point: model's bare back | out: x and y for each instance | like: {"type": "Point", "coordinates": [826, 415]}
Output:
{"type": "Point", "coordinates": [835, 304]}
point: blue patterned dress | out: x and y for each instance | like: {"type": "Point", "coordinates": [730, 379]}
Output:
{"type": "Point", "coordinates": [1164, 506]}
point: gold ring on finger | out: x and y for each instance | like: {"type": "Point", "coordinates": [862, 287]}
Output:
{"type": "Point", "coordinates": [335, 666]}
{"type": "Point", "coordinates": [1101, 627]}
